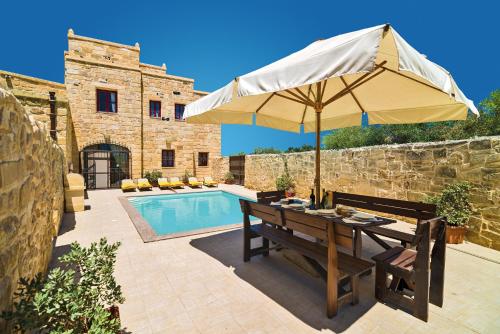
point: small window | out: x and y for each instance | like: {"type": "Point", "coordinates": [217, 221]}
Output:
{"type": "Point", "coordinates": [179, 111]}
{"type": "Point", "coordinates": [167, 158]}
{"type": "Point", "coordinates": [155, 109]}
{"type": "Point", "coordinates": [202, 158]}
{"type": "Point", "coordinates": [107, 101]}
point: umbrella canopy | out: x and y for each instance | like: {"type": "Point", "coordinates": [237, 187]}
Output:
{"type": "Point", "coordinates": [331, 83]}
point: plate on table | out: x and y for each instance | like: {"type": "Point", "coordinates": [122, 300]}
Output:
{"type": "Point", "coordinates": [363, 217]}
{"type": "Point", "coordinates": [296, 205]}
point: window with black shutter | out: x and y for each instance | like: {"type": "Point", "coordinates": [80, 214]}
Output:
{"type": "Point", "coordinates": [202, 159]}
{"type": "Point", "coordinates": [167, 158]}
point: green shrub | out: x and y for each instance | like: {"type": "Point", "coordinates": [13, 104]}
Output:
{"type": "Point", "coordinates": [486, 125]}
{"type": "Point", "coordinates": [284, 182]}
{"type": "Point", "coordinates": [72, 298]}
{"type": "Point", "coordinates": [454, 203]}
{"type": "Point", "coordinates": [187, 175]}
{"type": "Point", "coordinates": [303, 148]}
{"type": "Point", "coordinates": [266, 150]}
{"type": "Point", "coordinates": [229, 177]}
{"type": "Point", "coordinates": [153, 176]}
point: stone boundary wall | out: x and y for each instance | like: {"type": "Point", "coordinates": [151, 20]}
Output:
{"type": "Point", "coordinates": [33, 93]}
{"type": "Point", "coordinates": [409, 172]}
{"type": "Point", "coordinates": [31, 196]}
{"type": "Point", "coordinates": [219, 168]}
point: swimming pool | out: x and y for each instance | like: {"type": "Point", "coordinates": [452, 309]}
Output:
{"type": "Point", "coordinates": [180, 214]}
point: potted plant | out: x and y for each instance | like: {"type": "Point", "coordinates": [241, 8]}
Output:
{"type": "Point", "coordinates": [229, 178]}
{"type": "Point", "coordinates": [80, 296]}
{"type": "Point", "coordinates": [187, 175]}
{"type": "Point", "coordinates": [153, 177]}
{"type": "Point", "coordinates": [284, 182]}
{"type": "Point", "coordinates": [454, 204]}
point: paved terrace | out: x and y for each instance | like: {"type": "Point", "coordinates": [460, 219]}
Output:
{"type": "Point", "coordinates": [200, 284]}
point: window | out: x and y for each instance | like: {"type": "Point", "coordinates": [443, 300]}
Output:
{"type": "Point", "coordinates": [202, 158]}
{"type": "Point", "coordinates": [107, 101]}
{"type": "Point", "coordinates": [167, 158]}
{"type": "Point", "coordinates": [155, 109]}
{"type": "Point", "coordinates": [179, 111]}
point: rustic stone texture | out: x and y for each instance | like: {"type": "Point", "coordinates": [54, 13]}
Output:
{"type": "Point", "coordinates": [93, 64]}
{"type": "Point", "coordinates": [31, 196]}
{"type": "Point", "coordinates": [33, 94]}
{"type": "Point", "coordinates": [410, 171]}
{"type": "Point", "coordinates": [220, 167]}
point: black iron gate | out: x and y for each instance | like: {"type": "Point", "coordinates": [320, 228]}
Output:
{"type": "Point", "coordinates": [105, 165]}
{"type": "Point", "coordinates": [237, 167]}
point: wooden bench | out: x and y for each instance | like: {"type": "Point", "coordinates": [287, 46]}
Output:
{"type": "Point", "coordinates": [341, 268]}
{"type": "Point", "coordinates": [417, 210]}
{"type": "Point", "coordinates": [422, 272]}
{"type": "Point", "coordinates": [266, 197]}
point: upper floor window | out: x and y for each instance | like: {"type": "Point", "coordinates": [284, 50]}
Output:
{"type": "Point", "coordinates": [202, 158]}
{"type": "Point", "coordinates": [167, 158]}
{"type": "Point", "coordinates": [179, 111]}
{"type": "Point", "coordinates": [155, 109]}
{"type": "Point", "coordinates": [107, 101]}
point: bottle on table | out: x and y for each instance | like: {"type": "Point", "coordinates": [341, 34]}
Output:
{"type": "Point", "coordinates": [323, 199]}
{"type": "Point", "coordinates": [312, 200]}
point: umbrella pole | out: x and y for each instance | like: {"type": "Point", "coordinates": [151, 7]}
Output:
{"type": "Point", "coordinates": [318, 158]}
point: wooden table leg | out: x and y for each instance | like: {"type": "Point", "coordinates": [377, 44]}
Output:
{"type": "Point", "coordinates": [357, 248]}
{"type": "Point", "coordinates": [356, 251]}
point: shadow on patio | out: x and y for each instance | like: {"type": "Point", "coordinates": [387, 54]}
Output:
{"type": "Point", "coordinates": [287, 284]}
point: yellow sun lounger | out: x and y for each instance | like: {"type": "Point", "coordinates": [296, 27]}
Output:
{"type": "Point", "coordinates": [143, 184]}
{"type": "Point", "coordinates": [209, 182]}
{"type": "Point", "coordinates": [163, 182]}
{"type": "Point", "coordinates": [128, 184]}
{"type": "Point", "coordinates": [193, 182]}
{"type": "Point", "coordinates": [175, 182]}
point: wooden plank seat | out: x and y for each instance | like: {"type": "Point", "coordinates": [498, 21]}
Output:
{"type": "Point", "coordinates": [340, 267]}
{"type": "Point", "coordinates": [421, 270]}
{"type": "Point", "coordinates": [266, 197]}
{"type": "Point", "coordinates": [416, 210]}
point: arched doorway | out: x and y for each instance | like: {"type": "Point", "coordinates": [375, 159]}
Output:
{"type": "Point", "coordinates": [105, 165]}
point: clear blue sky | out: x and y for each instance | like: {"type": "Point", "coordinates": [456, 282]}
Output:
{"type": "Point", "coordinates": [214, 41]}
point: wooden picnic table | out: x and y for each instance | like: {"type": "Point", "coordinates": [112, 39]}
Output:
{"type": "Point", "coordinates": [357, 227]}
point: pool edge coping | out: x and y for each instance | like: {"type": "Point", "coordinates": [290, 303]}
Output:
{"type": "Point", "coordinates": [147, 233]}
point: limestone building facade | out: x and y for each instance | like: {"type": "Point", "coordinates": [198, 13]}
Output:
{"type": "Point", "coordinates": [116, 117]}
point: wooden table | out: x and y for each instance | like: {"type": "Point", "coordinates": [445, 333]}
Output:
{"type": "Point", "coordinates": [356, 226]}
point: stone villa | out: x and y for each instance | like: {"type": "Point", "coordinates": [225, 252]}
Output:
{"type": "Point", "coordinates": [115, 117]}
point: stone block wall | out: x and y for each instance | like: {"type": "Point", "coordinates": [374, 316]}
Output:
{"type": "Point", "coordinates": [90, 65]}
{"type": "Point", "coordinates": [219, 168]}
{"type": "Point", "coordinates": [33, 93]}
{"type": "Point", "coordinates": [31, 195]}
{"type": "Point", "coordinates": [408, 172]}
{"type": "Point", "coordinates": [93, 64]}
{"type": "Point", "coordinates": [186, 139]}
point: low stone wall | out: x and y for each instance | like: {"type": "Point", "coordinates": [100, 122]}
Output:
{"type": "Point", "coordinates": [410, 171]}
{"type": "Point", "coordinates": [219, 168]}
{"type": "Point", "coordinates": [31, 196]}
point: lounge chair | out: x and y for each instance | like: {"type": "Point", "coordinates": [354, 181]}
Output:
{"type": "Point", "coordinates": [163, 183]}
{"type": "Point", "coordinates": [143, 184]}
{"type": "Point", "coordinates": [128, 185]}
{"type": "Point", "coordinates": [193, 182]}
{"type": "Point", "coordinates": [209, 182]}
{"type": "Point", "coordinates": [176, 183]}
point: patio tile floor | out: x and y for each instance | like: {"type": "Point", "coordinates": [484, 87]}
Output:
{"type": "Point", "coordinates": [200, 284]}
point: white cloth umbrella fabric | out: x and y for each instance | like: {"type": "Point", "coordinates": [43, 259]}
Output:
{"type": "Point", "coordinates": [332, 82]}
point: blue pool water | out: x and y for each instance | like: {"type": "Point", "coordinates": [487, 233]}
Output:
{"type": "Point", "coordinates": [168, 214]}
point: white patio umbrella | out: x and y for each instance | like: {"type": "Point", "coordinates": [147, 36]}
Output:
{"type": "Point", "coordinates": [332, 82]}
